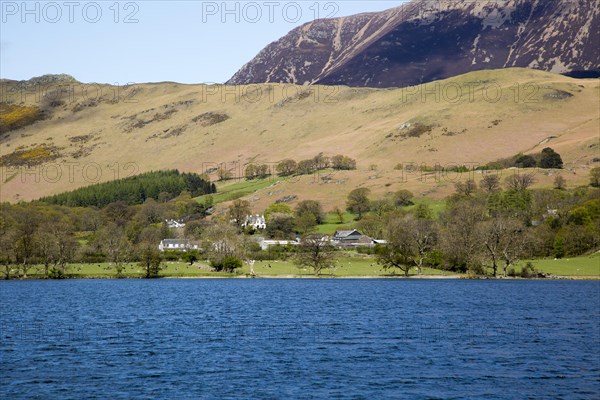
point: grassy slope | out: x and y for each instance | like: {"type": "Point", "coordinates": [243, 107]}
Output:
{"type": "Point", "coordinates": [355, 122]}
{"type": "Point", "coordinates": [235, 189]}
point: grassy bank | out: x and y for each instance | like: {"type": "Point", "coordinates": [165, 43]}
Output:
{"type": "Point", "coordinates": [358, 267]}
{"type": "Point", "coordinates": [365, 266]}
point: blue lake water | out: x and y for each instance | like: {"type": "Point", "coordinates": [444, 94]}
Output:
{"type": "Point", "coordinates": [287, 339]}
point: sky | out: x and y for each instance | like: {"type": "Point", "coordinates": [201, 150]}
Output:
{"type": "Point", "coordinates": [121, 42]}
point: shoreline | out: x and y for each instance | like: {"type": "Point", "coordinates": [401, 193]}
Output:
{"type": "Point", "coordinates": [293, 276]}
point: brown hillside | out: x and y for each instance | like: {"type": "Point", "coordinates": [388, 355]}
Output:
{"type": "Point", "coordinates": [473, 118]}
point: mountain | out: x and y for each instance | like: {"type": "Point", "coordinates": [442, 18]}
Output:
{"type": "Point", "coordinates": [96, 133]}
{"type": "Point", "coordinates": [423, 41]}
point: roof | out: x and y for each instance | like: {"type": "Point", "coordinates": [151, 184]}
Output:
{"type": "Point", "coordinates": [343, 234]}
{"type": "Point", "coordinates": [174, 241]}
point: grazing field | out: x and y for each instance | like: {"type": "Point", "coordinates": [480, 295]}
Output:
{"type": "Point", "coordinates": [346, 266]}
{"type": "Point", "coordinates": [132, 270]}
{"type": "Point", "coordinates": [231, 191]}
{"type": "Point", "coordinates": [332, 223]}
{"type": "Point", "coordinates": [575, 266]}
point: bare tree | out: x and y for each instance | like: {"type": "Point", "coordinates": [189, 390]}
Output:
{"type": "Point", "coordinates": [222, 240]}
{"type": "Point", "coordinates": [409, 241]}
{"type": "Point", "coordinates": [315, 252]}
{"type": "Point", "coordinates": [490, 183]}
{"type": "Point", "coordinates": [398, 251]}
{"type": "Point", "coordinates": [424, 235]}
{"type": "Point", "coordinates": [460, 242]}
{"type": "Point", "coordinates": [7, 244]}
{"type": "Point", "coordinates": [115, 245]}
{"type": "Point", "coordinates": [560, 182]}
{"type": "Point", "coordinates": [46, 248]}
{"type": "Point", "coordinates": [151, 212]}
{"type": "Point", "coordinates": [519, 181]}
{"type": "Point", "coordinates": [321, 161]}
{"type": "Point", "coordinates": [502, 240]}
{"type": "Point", "coordinates": [25, 241]}
{"type": "Point", "coordinates": [224, 174]}
{"type": "Point", "coordinates": [466, 188]}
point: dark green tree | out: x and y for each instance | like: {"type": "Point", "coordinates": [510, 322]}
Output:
{"type": "Point", "coordinates": [525, 161]}
{"type": "Point", "coordinates": [550, 159]}
{"type": "Point", "coordinates": [150, 259]}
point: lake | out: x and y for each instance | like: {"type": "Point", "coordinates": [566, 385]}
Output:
{"type": "Point", "coordinates": [304, 338]}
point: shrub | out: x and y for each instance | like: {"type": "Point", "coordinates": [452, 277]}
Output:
{"type": "Point", "coordinates": [528, 271]}
{"type": "Point", "coordinates": [476, 269]}
{"type": "Point", "coordinates": [171, 255]}
{"type": "Point", "coordinates": [525, 161]}
{"type": "Point", "coordinates": [56, 273]}
{"type": "Point", "coordinates": [403, 198]}
{"type": "Point", "coordinates": [595, 177]}
{"type": "Point", "coordinates": [15, 117]}
{"type": "Point", "coordinates": [190, 257]}
{"type": "Point", "coordinates": [227, 264]}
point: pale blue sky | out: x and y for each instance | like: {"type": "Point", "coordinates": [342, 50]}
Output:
{"type": "Point", "coordinates": [181, 41]}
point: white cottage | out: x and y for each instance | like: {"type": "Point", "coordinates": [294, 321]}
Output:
{"type": "Point", "coordinates": [177, 244]}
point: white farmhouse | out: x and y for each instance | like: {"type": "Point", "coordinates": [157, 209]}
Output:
{"type": "Point", "coordinates": [256, 222]}
{"type": "Point", "coordinates": [177, 244]}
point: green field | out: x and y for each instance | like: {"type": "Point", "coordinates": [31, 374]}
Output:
{"type": "Point", "coordinates": [233, 191]}
{"type": "Point", "coordinates": [576, 266]}
{"type": "Point", "coordinates": [332, 223]}
{"type": "Point", "coordinates": [132, 270]}
{"type": "Point", "coordinates": [436, 206]}
{"type": "Point", "coordinates": [347, 266]}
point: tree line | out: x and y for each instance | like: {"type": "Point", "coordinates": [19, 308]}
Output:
{"type": "Point", "coordinates": [53, 235]}
{"type": "Point", "coordinates": [289, 167]}
{"type": "Point", "coordinates": [484, 228]}
{"type": "Point", "coordinates": [546, 159]}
